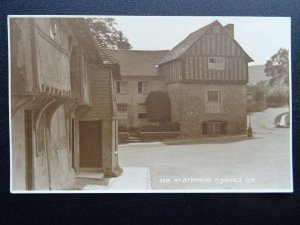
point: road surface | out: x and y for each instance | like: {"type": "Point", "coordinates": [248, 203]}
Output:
{"type": "Point", "coordinates": [235, 163]}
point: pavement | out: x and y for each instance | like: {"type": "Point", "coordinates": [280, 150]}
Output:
{"type": "Point", "coordinates": [132, 179]}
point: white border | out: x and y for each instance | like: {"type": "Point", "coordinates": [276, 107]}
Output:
{"type": "Point", "coordinates": [291, 190]}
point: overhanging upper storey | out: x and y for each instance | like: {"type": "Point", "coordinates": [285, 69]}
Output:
{"type": "Point", "coordinates": [210, 54]}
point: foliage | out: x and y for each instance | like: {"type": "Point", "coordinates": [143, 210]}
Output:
{"type": "Point", "coordinates": [277, 90]}
{"type": "Point", "coordinates": [277, 67]}
{"type": "Point", "coordinates": [158, 106]}
{"type": "Point", "coordinates": [107, 34]}
{"type": "Point", "coordinates": [258, 101]}
{"type": "Point", "coordinates": [163, 127]}
{"type": "Point", "coordinates": [277, 99]}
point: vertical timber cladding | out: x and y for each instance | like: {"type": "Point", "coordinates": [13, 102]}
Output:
{"type": "Point", "coordinates": [216, 45]}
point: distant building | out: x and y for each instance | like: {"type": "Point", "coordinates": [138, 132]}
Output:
{"type": "Point", "coordinates": [205, 76]}
{"type": "Point", "coordinates": [139, 78]}
{"type": "Point", "coordinates": [63, 109]}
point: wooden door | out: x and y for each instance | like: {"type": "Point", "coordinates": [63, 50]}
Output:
{"type": "Point", "coordinates": [28, 149]}
{"type": "Point", "coordinates": [90, 143]}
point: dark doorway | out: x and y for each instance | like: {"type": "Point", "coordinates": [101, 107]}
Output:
{"type": "Point", "coordinates": [90, 143]}
{"type": "Point", "coordinates": [28, 148]}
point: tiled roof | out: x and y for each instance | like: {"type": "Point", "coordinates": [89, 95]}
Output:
{"type": "Point", "coordinates": [105, 55]}
{"type": "Point", "coordinates": [106, 58]}
{"type": "Point", "coordinates": [138, 62]}
{"type": "Point", "coordinates": [183, 46]}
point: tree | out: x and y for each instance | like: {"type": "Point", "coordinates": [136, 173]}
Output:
{"type": "Point", "coordinates": [277, 67]}
{"type": "Point", "coordinates": [158, 106]}
{"type": "Point", "coordinates": [107, 34]}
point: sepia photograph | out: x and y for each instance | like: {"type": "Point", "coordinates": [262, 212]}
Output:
{"type": "Point", "coordinates": [150, 104]}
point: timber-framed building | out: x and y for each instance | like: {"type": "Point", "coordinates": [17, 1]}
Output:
{"type": "Point", "coordinates": [205, 76]}
{"type": "Point", "coordinates": [63, 109]}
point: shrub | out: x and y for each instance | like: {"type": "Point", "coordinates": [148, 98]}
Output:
{"type": "Point", "coordinates": [258, 102]}
{"type": "Point", "coordinates": [158, 106]}
{"type": "Point", "coordinates": [277, 99]}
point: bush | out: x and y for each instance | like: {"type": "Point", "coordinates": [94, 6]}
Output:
{"type": "Point", "coordinates": [258, 102]}
{"type": "Point", "coordinates": [163, 127]}
{"type": "Point", "coordinates": [277, 99]}
{"type": "Point", "coordinates": [158, 106]}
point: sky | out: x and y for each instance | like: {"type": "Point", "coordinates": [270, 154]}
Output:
{"type": "Point", "coordinates": [260, 37]}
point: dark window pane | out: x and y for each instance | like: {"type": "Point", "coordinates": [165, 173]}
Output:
{"type": "Point", "coordinates": [140, 84]}
{"type": "Point", "coordinates": [118, 87]}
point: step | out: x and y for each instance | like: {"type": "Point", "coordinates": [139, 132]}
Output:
{"type": "Point", "coordinates": [90, 175]}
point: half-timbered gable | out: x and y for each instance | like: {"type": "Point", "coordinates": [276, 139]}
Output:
{"type": "Point", "coordinates": [206, 55]}
{"type": "Point", "coordinates": [206, 80]}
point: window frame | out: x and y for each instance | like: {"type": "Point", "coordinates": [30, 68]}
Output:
{"type": "Point", "coordinates": [142, 114]}
{"type": "Point", "coordinates": [215, 65]}
{"type": "Point", "coordinates": [119, 87]}
{"type": "Point", "coordinates": [122, 105]}
{"type": "Point", "coordinates": [213, 106]}
{"type": "Point", "coordinates": [143, 91]}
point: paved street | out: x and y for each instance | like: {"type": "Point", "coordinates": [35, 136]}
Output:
{"type": "Point", "coordinates": [227, 163]}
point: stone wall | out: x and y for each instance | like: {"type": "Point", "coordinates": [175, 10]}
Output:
{"type": "Point", "coordinates": [193, 103]}
{"type": "Point", "coordinates": [174, 91]}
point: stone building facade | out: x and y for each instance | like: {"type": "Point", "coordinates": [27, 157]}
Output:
{"type": "Point", "coordinates": [139, 78]}
{"type": "Point", "coordinates": [62, 103]}
{"type": "Point", "coordinates": [205, 76]}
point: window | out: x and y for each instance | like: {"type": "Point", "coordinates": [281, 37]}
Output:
{"type": "Point", "coordinates": [122, 107]}
{"type": "Point", "coordinates": [213, 96]}
{"type": "Point", "coordinates": [216, 63]}
{"type": "Point", "coordinates": [213, 101]}
{"type": "Point", "coordinates": [143, 87]}
{"type": "Point", "coordinates": [142, 111]}
{"type": "Point", "coordinates": [55, 29]}
{"type": "Point", "coordinates": [122, 87]}
{"type": "Point", "coordinates": [214, 128]}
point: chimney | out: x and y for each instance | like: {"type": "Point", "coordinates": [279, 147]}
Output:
{"type": "Point", "coordinates": [230, 28]}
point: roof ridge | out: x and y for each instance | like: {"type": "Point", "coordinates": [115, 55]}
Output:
{"type": "Point", "coordinates": [183, 46]}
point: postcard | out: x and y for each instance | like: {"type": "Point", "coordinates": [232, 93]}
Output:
{"type": "Point", "coordinates": [150, 104]}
